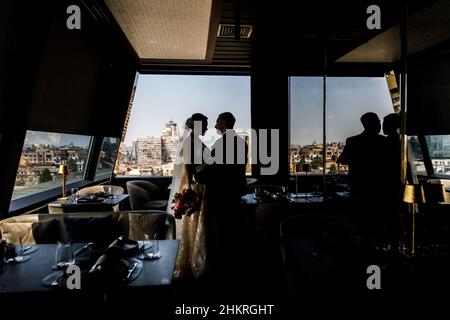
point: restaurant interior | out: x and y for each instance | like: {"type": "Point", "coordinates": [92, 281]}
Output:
{"type": "Point", "coordinates": [368, 218]}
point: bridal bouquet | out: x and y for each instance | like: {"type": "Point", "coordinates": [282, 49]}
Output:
{"type": "Point", "coordinates": [185, 202]}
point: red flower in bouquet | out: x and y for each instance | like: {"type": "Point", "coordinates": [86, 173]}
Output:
{"type": "Point", "coordinates": [185, 202]}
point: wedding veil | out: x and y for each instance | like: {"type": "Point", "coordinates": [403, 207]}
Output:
{"type": "Point", "coordinates": [178, 167]}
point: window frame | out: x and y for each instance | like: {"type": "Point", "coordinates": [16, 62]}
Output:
{"type": "Point", "coordinates": [167, 70]}
{"type": "Point", "coordinates": [38, 199]}
{"type": "Point", "coordinates": [325, 78]}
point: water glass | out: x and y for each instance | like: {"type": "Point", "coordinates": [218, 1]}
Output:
{"type": "Point", "coordinates": [109, 191]}
{"type": "Point", "coordinates": [64, 255]}
{"type": "Point", "coordinates": [9, 252]}
{"type": "Point", "coordinates": [155, 248]}
{"type": "Point", "coordinates": [146, 243]}
{"type": "Point", "coordinates": [12, 253]}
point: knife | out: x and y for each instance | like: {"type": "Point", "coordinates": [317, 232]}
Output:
{"type": "Point", "coordinates": [26, 248]}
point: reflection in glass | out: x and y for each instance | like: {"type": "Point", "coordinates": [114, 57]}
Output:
{"type": "Point", "coordinates": [107, 159]}
{"type": "Point", "coordinates": [439, 150]}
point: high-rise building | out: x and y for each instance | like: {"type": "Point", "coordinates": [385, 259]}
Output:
{"type": "Point", "coordinates": [148, 150]}
{"type": "Point", "coordinates": [169, 141]}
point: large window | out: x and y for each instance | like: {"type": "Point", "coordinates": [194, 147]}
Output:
{"type": "Point", "coordinates": [160, 108]}
{"type": "Point", "coordinates": [439, 150]}
{"type": "Point", "coordinates": [347, 99]}
{"type": "Point", "coordinates": [306, 125]}
{"type": "Point", "coordinates": [42, 154]}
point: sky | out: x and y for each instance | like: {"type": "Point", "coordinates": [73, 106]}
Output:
{"type": "Point", "coordinates": [347, 100]}
{"type": "Point", "coordinates": [56, 139]}
{"type": "Point", "coordinates": [161, 98]}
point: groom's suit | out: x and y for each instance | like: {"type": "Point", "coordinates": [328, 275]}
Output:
{"type": "Point", "coordinates": [227, 175]}
{"type": "Point", "coordinates": [225, 182]}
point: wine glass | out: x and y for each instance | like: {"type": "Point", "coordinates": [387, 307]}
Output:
{"type": "Point", "coordinates": [74, 195]}
{"type": "Point", "coordinates": [64, 255]}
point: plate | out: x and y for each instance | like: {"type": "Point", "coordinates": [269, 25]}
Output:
{"type": "Point", "coordinates": [58, 279]}
{"type": "Point", "coordinates": [124, 247]}
{"type": "Point", "coordinates": [90, 199]}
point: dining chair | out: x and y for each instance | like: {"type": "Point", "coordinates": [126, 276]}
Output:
{"type": "Point", "coordinates": [319, 252]}
{"type": "Point", "coordinates": [144, 195]}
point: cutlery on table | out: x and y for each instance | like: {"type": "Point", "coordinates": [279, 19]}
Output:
{"type": "Point", "coordinates": [130, 271]}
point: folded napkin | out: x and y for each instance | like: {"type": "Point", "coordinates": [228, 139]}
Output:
{"type": "Point", "coordinates": [112, 266]}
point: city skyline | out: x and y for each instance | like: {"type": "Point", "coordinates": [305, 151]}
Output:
{"type": "Point", "coordinates": [163, 98]}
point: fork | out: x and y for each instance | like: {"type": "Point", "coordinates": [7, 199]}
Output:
{"type": "Point", "coordinates": [130, 272]}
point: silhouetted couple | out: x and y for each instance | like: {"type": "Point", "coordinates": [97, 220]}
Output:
{"type": "Point", "coordinates": [210, 237]}
{"type": "Point", "coordinates": [374, 174]}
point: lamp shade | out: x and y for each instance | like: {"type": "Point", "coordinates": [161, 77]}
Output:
{"type": "Point", "coordinates": [63, 169]}
{"type": "Point", "coordinates": [434, 193]}
{"type": "Point", "coordinates": [414, 193]}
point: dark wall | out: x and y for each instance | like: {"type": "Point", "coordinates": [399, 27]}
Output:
{"type": "Point", "coordinates": [85, 78]}
{"type": "Point", "coordinates": [270, 91]}
{"type": "Point", "coordinates": [429, 97]}
{"type": "Point", "coordinates": [21, 34]}
{"type": "Point", "coordinates": [56, 79]}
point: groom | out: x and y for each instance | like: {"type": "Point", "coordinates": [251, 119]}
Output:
{"type": "Point", "coordinates": [225, 183]}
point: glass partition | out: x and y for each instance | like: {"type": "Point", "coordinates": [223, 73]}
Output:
{"type": "Point", "coordinates": [107, 158]}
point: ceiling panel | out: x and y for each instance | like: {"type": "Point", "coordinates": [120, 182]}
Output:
{"type": "Point", "coordinates": [167, 30]}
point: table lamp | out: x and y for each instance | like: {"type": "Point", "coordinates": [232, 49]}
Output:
{"type": "Point", "coordinates": [294, 168]}
{"type": "Point", "coordinates": [64, 170]}
{"type": "Point", "coordinates": [414, 193]}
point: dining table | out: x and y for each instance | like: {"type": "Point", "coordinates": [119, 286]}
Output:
{"type": "Point", "coordinates": [25, 281]}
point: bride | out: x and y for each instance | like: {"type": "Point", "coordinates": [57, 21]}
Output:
{"type": "Point", "coordinates": [192, 255]}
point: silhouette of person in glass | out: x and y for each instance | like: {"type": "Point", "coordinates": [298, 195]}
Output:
{"type": "Point", "coordinates": [364, 154]}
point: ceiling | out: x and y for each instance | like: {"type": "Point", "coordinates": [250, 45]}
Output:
{"type": "Point", "coordinates": [165, 30]}
{"type": "Point", "coordinates": [426, 28]}
{"type": "Point", "coordinates": [285, 34]}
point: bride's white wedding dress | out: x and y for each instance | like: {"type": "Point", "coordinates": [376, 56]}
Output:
{"type": "Point", "coordinates": [192, 258]}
